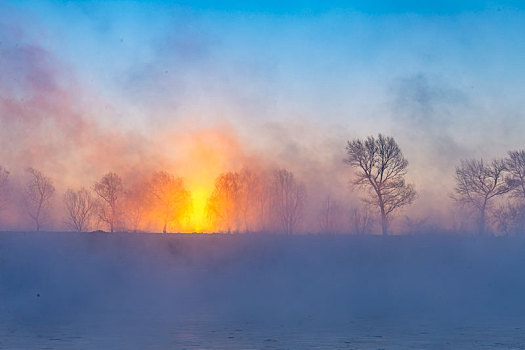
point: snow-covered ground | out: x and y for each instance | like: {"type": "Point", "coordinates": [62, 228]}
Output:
{"type": "Point", "coordinates": [147, 291]}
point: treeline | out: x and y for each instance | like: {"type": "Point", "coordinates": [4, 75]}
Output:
{"type": "Point", "coordinates": [244, 201]}
{"type": "Point", "coordinates": [495, 191]}
{"type": "Point", "coordinates": [106, 205]}
{"type": "Point", "coordinates": [275, 200]}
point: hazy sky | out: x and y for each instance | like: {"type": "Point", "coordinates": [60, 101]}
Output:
{"type": "Point", "coordinates": [293, 81]}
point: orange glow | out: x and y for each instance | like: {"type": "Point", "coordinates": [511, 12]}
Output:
{"type": "Point", "coordinates": [199, 156]}
{"type": "Point", "coordinates": [198, 219]}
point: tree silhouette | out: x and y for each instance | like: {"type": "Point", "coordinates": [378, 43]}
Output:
{"type": "Point", "coordinates": [4, 179]}
{"type": "Point", "coordinates": [80, 207]}
{"type": "Point", "coordinates": [509, 218]}
{"type": "Point", "coordinates": [110, 190]}
{"type": "Point", "coordinates": [170, 196]}
{"type": "Point", "coordinates": [224, 204]}
{"type": "Point", "coordinates": [251, 186]}
{"type": "Point", "coordinates": [39, 192]}
{"type": "Point", "coordinates": [137, 205]}
{"type": "Point", "coordinates": [361, 221]}
{"type": "Point", "coordinates": [262, 203]}
{"type": "Point", "coordinates": [478, 183]}
{"type": "Point", "coordinates": [288, 199]}
{"type": "Point", "coordinates": [381, 170]}
{"type": "Point", "coordinates": [329, 215]}
{"type": "Point", "coordinates": [515, 166]}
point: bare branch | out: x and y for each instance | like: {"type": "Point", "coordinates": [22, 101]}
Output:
{"type": "Point", "coordinates": [4, 180]}
{"type": "Point", "coordinates": [110, 190]}
{"type": "Point", "coordinates": [170, 197]}
{"type": "Point", "coordinates": [380, 170]}
{"type": "Point", "coordinates": [39, 192]}
{"type": "Point", "coordinates": [288, 199]}
{"type": "Point", "coordinates": [80, 207]}
{"type": "Point", "coordinates": [477, 183]}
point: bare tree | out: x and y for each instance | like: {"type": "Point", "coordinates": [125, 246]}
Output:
{"type": "Point", "coordinates": [170, 195]}
{"type": "Point", "coordinates": [4, 178]}
{"type": "Point", "coordinates": [329, 215]}
{"type": "Point", "coordinates": [510, 218]}
{"type": "Point", "coordinates": [515, 165]}
{"type": "Point", "coordinates": [224, 204]}
{"type": "Point", "coordinates": [362, 221]}
{"type": "Point", "coordinates": [478, 183]}
{"type": "Point", "coordinates": [39, 192]}
{"type": "Point", "coordinates": [80, 207]}
{"type": "Point", "coordinates": [262, 204]}
{"type": "Point", "coordinates": [381, 170]}
{"type": "Point", "coordinates": [137, 202]}
{"type": "Point", "coordinates": [110, 191]}
{"type": "Point", "coordinates": [288, 199]}
{"type": "Point", "coordinates": [239, 201]}
{"type": "Point", "coordinates": [415, 225]}
{"type": "Point", "coordinates": [249, 195]}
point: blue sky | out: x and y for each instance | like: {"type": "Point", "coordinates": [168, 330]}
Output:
{"type": "Point", "coordinates": [442, 7]}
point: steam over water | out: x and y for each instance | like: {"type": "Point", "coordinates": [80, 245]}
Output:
{"type": "Point", "coordinates": [137, 291]}
{"type": "Point", "coordinates": [287, 134]}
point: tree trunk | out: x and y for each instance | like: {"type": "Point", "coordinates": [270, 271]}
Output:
{"type": "Point", "coordinates": [37, 218]}
{"type": "Point", "coordinates": [384, 226]}
{"type": "Point", "coordinates": [482, 221]}
{"type": "Point", "coordinates": [384, 223]}
{"type": "Point", "coordinates": [113, 211]}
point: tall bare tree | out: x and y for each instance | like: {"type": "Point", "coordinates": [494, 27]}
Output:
{"type": "Point", "coordinates": [110, 190]}
{"type": "Point", "coordinates": [329, 215]}
{"type": "Point", "coordinates": [415, 225]}
{"type": "Point", "coordinates": [381, 170]}
{"type": "Point", "coordinates": [80, 208]}
{"type": "Point", "coordinates": [478, 183]}
{"type": "Point", "coordinates": [170, 195]}
{"type": "Point", "coordinates": [251, 188]}
{"type": "Point", "coordinates": [224, 204]}
{"type": "Point", "coordinates": [39, 192]}
{"type": "Point", "coordinates": [515, 165]}
{"type": "Point", "coordinates": [288, 199]}
{"type": "Point", "coordinates": [4, 178]}
{"type": "Point", "coordinates": [262, 203]}
{"type": "Point", "coordinates": [137, 204]}
{"type": "Point", "coordinates": [362, 221]}
{"type": "Point", "coordinates": [239, 201]}
{"type": "Point", "coordinates": [510, 218]}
